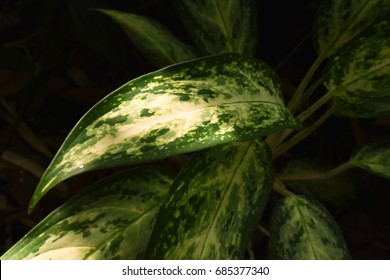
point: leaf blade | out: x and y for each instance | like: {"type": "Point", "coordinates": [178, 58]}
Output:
{"type": "Point", "coordinates": [374, 157]}
{"type": "Point", "coordinates": [211, 212]}
{"type": "Point", "coordinates": [182, 108]}
{"type": "Point", "coordinates": [302, 229]}
{"type": "Point", "coordinates": [221, 26]}
{"type": "Point", "coordinates": [153, 39]}
{"type": "Point", "coordinates": [111, 219]}
{"type": "Point", "coordinates": [359, 75]}
{"type": "Point", "coordinates": [337, 22]}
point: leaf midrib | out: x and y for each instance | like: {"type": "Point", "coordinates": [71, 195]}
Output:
{"type": "Point", "coordinates": [222, 201]}
{"type": "Point", "coordinates": [337, 39]}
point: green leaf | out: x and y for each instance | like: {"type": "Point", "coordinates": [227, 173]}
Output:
{"type": "Point", "coordinates": [214, 204]}
{"type": "Point", "coordinates": [221, 26]}
{"type": "Point", "coordinates": [359, 75]}
{"type": "Point", "coordinates": [111, 219]}
{"type": "Point", "coordinates": [302, 229]}
{"type": "Point", "coordinates": [338, 21]}
{"type": "Point", "coordinates": [157, 43]}
{"type": "Point", "coordinates": [182, 108]}
{"type": "Point", "coordinates": [374, 157]}
{"type": "Point", "coordinates": [335, 193]}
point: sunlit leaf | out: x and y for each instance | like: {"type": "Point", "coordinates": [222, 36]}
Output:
{"type": "Point", "coordinates": [220, 26]}
{"type": "Point", "coordinates": [182, 108]}
{"type": "Point", "coordinates": [302, 229]}
{"type": "Point", "coordinates": [359, 75]}
{"type": "Point", "coordinates": [157, 43]}
{"type": "Point", "coordinates": [374, 157]}
{"type": "Point", "coordinates": [338, 21]}
{"type": "Point", "coordinates": [111, 219]}
{"type": "Point", "coordinates": [214, 204]}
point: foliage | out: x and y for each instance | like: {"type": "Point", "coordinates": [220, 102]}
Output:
{"type": "Point", "coordinates": [219, 104]}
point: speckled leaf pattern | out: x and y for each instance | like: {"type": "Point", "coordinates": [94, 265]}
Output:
{"type": "Point", "coordinates": [154, 40]}
{"type": "Point", "coordinates": [374, 157]}
{"type": "Point", "coordinates": [302, 229]}
{"type": "Point", "coordinates": [359, 75]}
{"type": "Point", "coordinates": [181, 108]}
{"type": "Point", "coordinates": [214, 204]}
{"type": "Point", "coordinates": [221, 26]}
{"type": "Point", "coordinates": [111, 219]}
{"type": "Point", "coordinates": [338, 21]}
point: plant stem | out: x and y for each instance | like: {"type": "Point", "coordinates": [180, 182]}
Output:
{"type": "Point", "coordinates": [280, 188]}
{"type": "Point", "coordinates": [301, 135]}
{"type": "Point", "coordinates": [318, 104]}
{"type": "Point", "coordinates": [263, 230]}
{"type": "Point", "coordinates": [295, 101]}
{"type": "Point", "coordinates": [317, 175]}
{"type": "Point", "coordinates": [276, 143]}
{"type": "Point", "coordinates": [276, 139]}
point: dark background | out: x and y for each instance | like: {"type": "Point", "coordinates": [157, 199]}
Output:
{"type": "Point", "coordinates": [59, 57]}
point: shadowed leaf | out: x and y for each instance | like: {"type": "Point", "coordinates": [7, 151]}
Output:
{"type": "Point", "coordinates": [374, 157]}
{"type": "Point", "coordinates": [339, 21]}
{"type": "Point", "coordinates": [359, 75]}
{"type": "Point", "coordinates": [111, 219]}
{"type": "Point", "coordinates": [155, 41]}
{"type": "Point", "coordinates": [221, 26]}
{"type": "Point", "coordinates": [302, 229]}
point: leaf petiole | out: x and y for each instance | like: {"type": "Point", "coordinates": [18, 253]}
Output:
{"type": "Point", "coordinates": [317, 175]}
{"type": "Point", "coordinates": [301, 135]}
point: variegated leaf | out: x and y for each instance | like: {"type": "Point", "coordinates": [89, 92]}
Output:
{"type": "Point", "coordinates": [359, 75]}
{"type": "Point", "coordinates": [302, 229]}
{"type": "Point", "coordinates": [214, 204]}
{"type": "Point", "coordinates": [110, 220]}
{"type": "Point", "coordinates": [374, 157]}
{"type": "Point", "coordinates": [154, 40]}
{"type": "Point", "coordinates": [338, 21]}
{"type": "Point", "coordinates": [221, 26]}
{"type": "Point", "coordinates": [182, 108]}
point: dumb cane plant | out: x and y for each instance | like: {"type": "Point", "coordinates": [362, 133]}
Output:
{"type": "Point", "coordinates": [227, 109]}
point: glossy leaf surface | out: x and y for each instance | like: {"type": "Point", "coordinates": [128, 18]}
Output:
{"type": "Point", "coordinates": [302, 229]}
{"type": "Point", "coordinates": [339, 21]}
{"type": "Point", "coordinates": [214, 204]}
{"type": "Point", "coordinates": [374, 157]}
{"type": "Point", "coordinates": [111, 219]}
{"type": "Point", "coordinates": [221, 26]}
{"type": "Point", "coordinates": [154, 40]}
{"type": "Point", "coordinates": [182, 108]}
{"type": "Point", "coordinates": [359, 75]}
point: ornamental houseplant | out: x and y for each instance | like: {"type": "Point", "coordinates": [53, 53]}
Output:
{"type": "Point", "coordinates": [223, 110]}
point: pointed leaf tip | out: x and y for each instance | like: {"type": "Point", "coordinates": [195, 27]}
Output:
{"type": "Point", "coordinates": [182, 108]}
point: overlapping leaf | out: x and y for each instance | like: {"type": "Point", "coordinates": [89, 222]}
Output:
{"type": "Point", "coordinates": [214, 204]}
{"type": "Point", "coordinates": [110, 220]}
{"type": "Point", "coordinates": [157, 43]}
{"type": "Point", "coordinates": [182, 108]}
{"type": "Point", "coordinates": [359, 75]}
{"type": "Point", "coordinates": [338, 21]}
{"type": "Point", "coordinates": [302, 229]}
{"type": "Point", "coordinates": [335, 193]}
{"type": "Point", "coordinates": [221, 26]}
{"type": "Point", "coordinates": [374, 157]}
